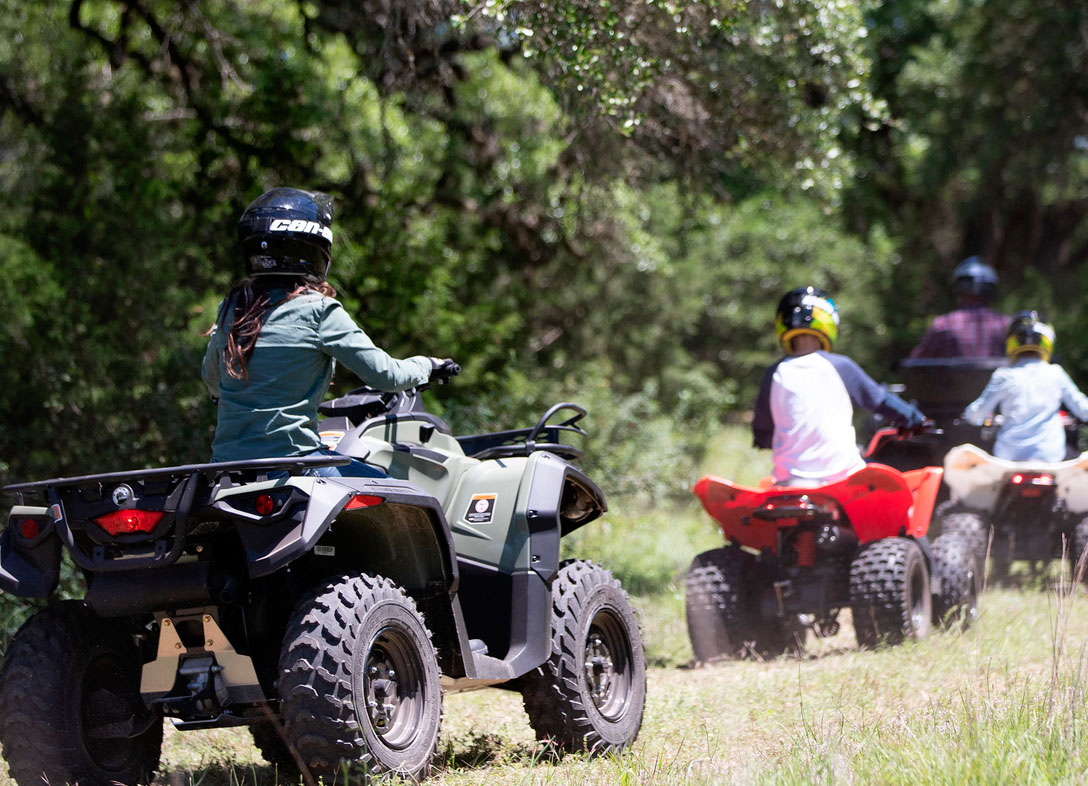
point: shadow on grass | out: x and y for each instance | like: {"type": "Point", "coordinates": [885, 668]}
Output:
{"type": "Point", "coordinates": [229, 775]}
{"type": "Point", "coordinates": [484, 749]}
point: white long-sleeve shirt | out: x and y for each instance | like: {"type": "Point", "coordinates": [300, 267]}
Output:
{"type": "Point", "coordinates": [805, 411]}
{"type": "Point", "coordinates": [1030, 394]}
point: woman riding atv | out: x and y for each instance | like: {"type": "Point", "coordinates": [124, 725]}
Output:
{"type": "Point", "coordinates": [279, 334]}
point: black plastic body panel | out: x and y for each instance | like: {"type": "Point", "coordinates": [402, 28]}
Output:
{"type": "Point", "coordinates": [29, 570]}
{"type": "Point", "coordinates": [511, 613]}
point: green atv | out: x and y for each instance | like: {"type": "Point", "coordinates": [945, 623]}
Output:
{"type": "Point", "coordinates": [328, 614]}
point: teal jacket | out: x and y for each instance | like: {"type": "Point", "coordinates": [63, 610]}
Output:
{"type": "Point", "coordinates": [275, 413]}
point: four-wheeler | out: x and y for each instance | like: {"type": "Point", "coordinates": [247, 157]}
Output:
{"type": "Point", "coordinates": [329, 614]}
{"type": "Point", "coordinates": [1037, 511]}
{"type": "Point", "coordinates": [796, 556]}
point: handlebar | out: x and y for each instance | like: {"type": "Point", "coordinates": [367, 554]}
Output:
{"type": "Point", "coordinates": [444, 371]}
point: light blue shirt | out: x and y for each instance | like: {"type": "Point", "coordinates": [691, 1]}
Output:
{"type": "Point", "coordinates": [274, 413]}
{"type": "Point", "coordinates": [1030, 394]}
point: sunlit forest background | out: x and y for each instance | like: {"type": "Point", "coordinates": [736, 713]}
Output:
{"type": "Point", "coordinates": [597, 200]}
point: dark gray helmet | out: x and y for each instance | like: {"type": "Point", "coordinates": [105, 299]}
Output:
{"type": "Point", "coordinates": [973, 276]}
{"type": "Point", "coordinates": [287, 231]}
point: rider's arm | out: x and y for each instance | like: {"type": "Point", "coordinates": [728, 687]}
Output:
{"type": "Point", "coordinates": [1076, 401]}
{"type": "Point", "coordinates": [762, 420]}
{"type": "Point", "coordinates": [938, 341]}
{"type": "Point", "coordinates": [210, 368]}
{"type": "Point", "coordinates": [871, 396]}
{"type": "Point", "coordinates": [928, 346]}
{"type": "Point", "coordinates": [986, 404]}
{"type": "Point", "coordinates": [346, 343]}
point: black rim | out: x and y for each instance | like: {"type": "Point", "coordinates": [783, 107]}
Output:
{"type": "Point", "coordinates": [607, 662]}
{"type": "Point", "coordinates": [106, 713]}
{"type": "Point", "coordinates": [393, 687]}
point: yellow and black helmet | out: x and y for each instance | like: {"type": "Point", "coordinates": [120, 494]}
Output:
{"type": "Point", "coordinates": [1028, 332]}
{"type": "Point", "coordinates": [807, 311]}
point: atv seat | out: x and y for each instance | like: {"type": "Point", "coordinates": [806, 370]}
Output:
{"type": "Point", "coordinates": [946, 385]}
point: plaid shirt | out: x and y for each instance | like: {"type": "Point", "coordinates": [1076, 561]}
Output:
{"type": "Point", "coordinates": [971, 332]}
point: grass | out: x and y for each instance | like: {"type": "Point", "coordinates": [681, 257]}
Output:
{"type": "Point", "coordinates": [1001, 703]}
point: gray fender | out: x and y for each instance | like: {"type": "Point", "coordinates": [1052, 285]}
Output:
{"type": "Point", "coordinates": [405, 538]}
{"type": "Point", "coordinates": [405, 507]}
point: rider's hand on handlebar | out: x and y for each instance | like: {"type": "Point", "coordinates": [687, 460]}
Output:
{"type": "Point", "coordinates": [442, 369]}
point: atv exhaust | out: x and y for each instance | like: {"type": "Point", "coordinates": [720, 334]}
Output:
{"type": "Point", "coordinates": [180, 585]}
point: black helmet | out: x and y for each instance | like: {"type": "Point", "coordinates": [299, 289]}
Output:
{"type": "Point", "coordinates": [1029, 332]}
{"type": "Point", "coordinates": [807, 310]}
{"type": "Point", "coordinates": [973, 276]}
{"type": "Point", "coordinates": [287, 231]}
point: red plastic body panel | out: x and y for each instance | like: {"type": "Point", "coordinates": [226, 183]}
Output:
{"type": "Point", "coordinates": [879, 438]}
{"type": "Point", "coordinates": [877, 501]}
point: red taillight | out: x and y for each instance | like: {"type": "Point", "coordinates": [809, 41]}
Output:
{"type": "Point", "coordinates": [265, 504]}
{"type": "Point", "coordinates": [29, 528]}
{"type": "Point", "coordinates": [126, 522]}
{"type": "Point", "coordinates": [1035, 479]}
{"type": "Point", "coordinates": [363, 501]}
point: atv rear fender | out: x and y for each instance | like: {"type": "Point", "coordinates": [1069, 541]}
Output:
{"type": "Point", "coordinates": [29, 566]}
{"type": "Point", "coordinates": [877, 501]}
{"type": "Point", "coordinates": [380, 525]}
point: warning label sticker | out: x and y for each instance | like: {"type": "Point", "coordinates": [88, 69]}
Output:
{"type": "Point", "coordinates": [481, 508]}
{"type": "Point", "coordinates": [330, 439]}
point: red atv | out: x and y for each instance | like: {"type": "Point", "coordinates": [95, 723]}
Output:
{"type": "Point", "coordinates": [796, 557]}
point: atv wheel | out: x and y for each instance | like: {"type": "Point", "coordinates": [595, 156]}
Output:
{"type": "Point", "coordinates": [359, 683]}
{"type": "Point", "coordinates": [714, 601]}
{"type": "Point", "coordinates": [70, 706]}
{"type": "Point", "coordinates": [942, 509]}
{"type": "Point", "coordinates": [590, 693]}
{"type": "Point", "coordinates": [1080, 545]}
{"type": "Point", "coordinates": [955, 604]}
{"type": "Point", "coordinates": [889, 592]}
{"type": "Point", "coordinates": [972, 528]}
{"type": "Point", "coordinates": [269, 739]}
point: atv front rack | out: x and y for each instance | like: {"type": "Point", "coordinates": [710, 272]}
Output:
{"type": "Point", "coordinates": [523, 441]}
{"type": "Point", "coordinates": [170, 491]}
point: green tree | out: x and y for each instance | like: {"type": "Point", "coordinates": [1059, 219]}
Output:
{"type": "Point", "coordinates": [982, 151]}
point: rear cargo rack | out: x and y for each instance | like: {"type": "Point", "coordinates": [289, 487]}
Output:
{"type": "Point", "coordinates": [209, 470]}
{"type": "Point", "coordinates": [165, 543]}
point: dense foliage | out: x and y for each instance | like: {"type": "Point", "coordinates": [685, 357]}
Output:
{"type": "Point", "coordinates": [597, 200]}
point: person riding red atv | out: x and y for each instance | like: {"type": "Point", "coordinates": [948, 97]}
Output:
{"type": "Point", "coordinates": [796, 556]}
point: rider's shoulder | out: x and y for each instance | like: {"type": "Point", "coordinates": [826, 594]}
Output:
{"type": "Point", "coordinates": [317, 302]}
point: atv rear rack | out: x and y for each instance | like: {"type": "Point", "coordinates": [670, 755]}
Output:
{"type": "Point", "coordinates": [208, 470]}
{"type": "Point", "coordinates": [171, 490]}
